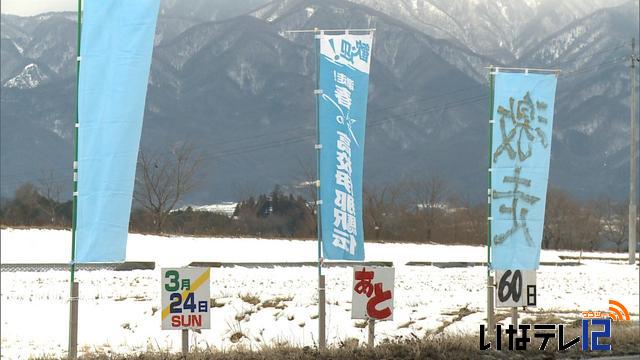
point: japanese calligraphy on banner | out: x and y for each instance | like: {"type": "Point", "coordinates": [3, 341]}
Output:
{"type": "Point", "coordinates": [344, 81]}
{"type": "Point", "coordinates": [185, 298]}
{"type": "Point", "coordinates": [372, 296]}
{"type": "Point", "coordinates": [521, 133]}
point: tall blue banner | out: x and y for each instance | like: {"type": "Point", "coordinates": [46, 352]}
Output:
{"type": "Point", "coordinates": [521, 150]}
{"type": "Point", "coordinates": [115, 58]}
{"type": "Point", "coordinates": [344, 81]}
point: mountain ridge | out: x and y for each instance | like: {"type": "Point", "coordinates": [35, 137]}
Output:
{"type": "Point", "coordinates": [240, 89]}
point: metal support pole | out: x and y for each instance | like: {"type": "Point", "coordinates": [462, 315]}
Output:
{"type": "Point", "coordinates": [491, 320]}
{"type": "Point", "coordinates": [490, 288]}
{"type": "Point", "coordinates": [185, 342]}
{"type": "Point", "coordinates": [371, 339]}
{"type": "Point", "coordinates": [514, 317]}
{"type": "Point", "coordinates": [633, 190]}
{"type": "Point", "coordinates": [322, 337]}
{"type": "Point", "coordinates": [73, 285]}
{"type": "Point", "coordinates": [73, 322]}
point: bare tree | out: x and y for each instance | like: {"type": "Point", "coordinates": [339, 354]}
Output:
{"type": "Point", "coordinates": [429, 196]}
{"type": "Point", "coordinates": [381, 208]}
{"type": "Point", "coordinates": [163, 180]}
{"type": "Point", "coordinates": [308, 185]}
{"type": "Point", "coordinates": [50, 189]}
{"type": "Point", "coordinates": [570, 224]}
{"type": "Point", "coordinates": [614, 223]}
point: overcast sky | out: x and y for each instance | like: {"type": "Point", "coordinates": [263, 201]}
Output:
{"type": "Point", "coordinates": [33, 7]}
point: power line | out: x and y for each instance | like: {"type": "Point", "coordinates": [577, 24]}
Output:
{"type": "Point", "coordinates": [302, 137]}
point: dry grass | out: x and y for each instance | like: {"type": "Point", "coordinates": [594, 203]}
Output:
{"type": "Point", "coordinates": [458, 315]}
{"type": "Point", "coordinates": [625, 341]}
{"type": "Point", "coordinates": [278, 302]}
{"type": "Point", "coordinates": [213, 303]}
{"type": "Point", "coordinates": [250, 299]}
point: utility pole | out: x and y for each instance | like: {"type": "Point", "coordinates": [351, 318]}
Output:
{"type": "Point", "coordinates": [633, 188]}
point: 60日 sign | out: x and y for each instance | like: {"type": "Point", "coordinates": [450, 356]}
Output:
{"type": "Point", "coordinates": [185, 298]}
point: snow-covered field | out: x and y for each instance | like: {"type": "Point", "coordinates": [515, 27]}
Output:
{"type": "Point", "coordinates": [118, 310]}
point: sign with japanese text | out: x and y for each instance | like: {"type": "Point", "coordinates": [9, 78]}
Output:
{"type": "Point", "coordinates": [516, 288]}
{"type": "Point", "coordinates": [372, 295]}
{"type": "Point", "coordinates": [185, 298]}
{"type": "Point", "coordinates": [344, 82]}
{"type": "Point", "coordinates": [520, 154]}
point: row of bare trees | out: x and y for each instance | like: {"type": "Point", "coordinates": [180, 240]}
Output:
{"type": "Point", "coordinates": [424, 210]}
{"type": "Point", "coordinates": [421, 211]}
{"type": "Point", "coordinates": [573, 224]}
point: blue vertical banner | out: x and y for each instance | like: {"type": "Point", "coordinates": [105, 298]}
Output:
{"type": "Point", "coordinates": [520, 154]}
{"type": "Point", "coordinates": [115, 59]}
{"type": "Point", "coordinates": [344, 82]}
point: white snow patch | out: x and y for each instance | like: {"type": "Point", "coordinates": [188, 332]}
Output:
{"type": "Point", "coordinates": [29, 78]}
{"type": "Point", "coordinates": [119, 310]}
{"type": "Point", "coordinates": [310, 11]}
{"type": "Point", "coordinates": [18, 47]}
{"type": "Point", "coordinates": [225, 208]}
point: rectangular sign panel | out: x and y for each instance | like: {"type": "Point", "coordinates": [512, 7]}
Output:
{"type": "Point", "coordinates": [516, 288]}
{"type": "Point", "coordinates": [372, 293]}
{"type": "Point", "coordinates": [521, 149]}
{"type": "Point", "coordinates": [185, 298]}
{"type": "Point", "coordinates": [117, 41]}
{"type": "Point", "coordinates": [344, 82]}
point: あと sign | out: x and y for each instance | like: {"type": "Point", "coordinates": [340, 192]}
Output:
{"type": "Point", "coordinates": [372, 295]}
{"type": "Point", "coordinates": [185, 298]}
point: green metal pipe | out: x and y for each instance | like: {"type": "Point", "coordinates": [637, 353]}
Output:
{"type": "Point", "coordinates": [491, 122]}
{"type": "Point", "coordinates": [318, 150]}
{"type": "Point", "coordinates": [75, 156]}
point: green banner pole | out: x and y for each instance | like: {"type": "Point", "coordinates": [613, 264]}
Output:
{"type": "Point", "coordinates": [318, 147]}
{"type": "Point", "coordinates": [490, 167]}
{"type": "Point", "coordinates": [490, 280]}
{"type": "Point", "coordinates": [73, 288]}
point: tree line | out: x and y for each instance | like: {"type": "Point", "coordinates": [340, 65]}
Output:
{"type": "Point", "coordinates": [418, 212]}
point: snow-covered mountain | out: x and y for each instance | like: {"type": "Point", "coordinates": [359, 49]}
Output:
{"type": "Point", "coordinates": [228, 78]}
{"type": "Point", "coordinates": [29, 78]}
{"type": "Point", "coordinates": [502, 29]}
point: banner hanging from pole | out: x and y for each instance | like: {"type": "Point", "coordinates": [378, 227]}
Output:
{"type": "Point", "coordinates": [344, 81]}
{"type": "Point", "coordinates": [520, 154]}
{"type": "Point", "coordinates": [115, 58]}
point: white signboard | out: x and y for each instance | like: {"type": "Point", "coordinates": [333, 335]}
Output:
{"type": "Point", "coordinates": [516, 288]}
{"type": "Point", "coordinates": [185, 298]}
{"type": "Point", "coordinates": [372, 293]}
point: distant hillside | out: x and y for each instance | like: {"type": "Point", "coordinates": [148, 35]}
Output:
{"type": "Point", "coordinates": [227, 78]}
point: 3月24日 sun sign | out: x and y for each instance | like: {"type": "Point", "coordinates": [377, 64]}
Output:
{"type": "Point", "coordinates": [185, 298]}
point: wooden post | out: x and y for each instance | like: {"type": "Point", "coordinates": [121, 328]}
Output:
{"type": "Point", "coordinates": [73, 322]}
{"type": "Point", "coordinates": [491, 321]}
{"type": "Point", "coordinates": [322, 337]}
{"type": "Point", "coordinates": [372, 333]}
{"type": "Point", "coordinates": [514, 317]}
{"type": "Point", "coordinates": [185, 342]}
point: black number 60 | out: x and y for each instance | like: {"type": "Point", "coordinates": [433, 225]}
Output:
{"type": "Point", "coordinates": [513, 287]}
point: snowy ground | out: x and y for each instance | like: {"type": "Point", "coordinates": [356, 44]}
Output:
{"type": "Point", "coordinates": [118, 310]}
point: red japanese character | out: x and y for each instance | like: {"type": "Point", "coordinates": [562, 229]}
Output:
{"type": "Point", "coordinates": [364, 286]}
{"type": "Point", "coordinates": [379, 297]}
